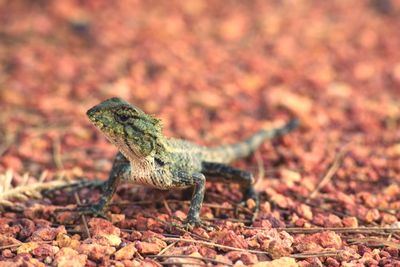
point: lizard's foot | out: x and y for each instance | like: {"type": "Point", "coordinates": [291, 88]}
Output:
{"type": "Point", "coordinates": [251, 194]}
{"type": "Point", "coordinates": [94, 210]}
{"type": "Point", "coordinates": [190, 223]}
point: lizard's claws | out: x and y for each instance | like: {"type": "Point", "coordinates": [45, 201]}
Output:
{"type": "Point", "coordinates": [95, 210]}
{"type": "Point", "coordinates": [189, 224]}
{"type": "Point", "coordinates": [250, 194]}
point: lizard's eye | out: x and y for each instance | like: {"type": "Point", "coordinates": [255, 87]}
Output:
{"type": "Point", "coordinates": [123, 117]}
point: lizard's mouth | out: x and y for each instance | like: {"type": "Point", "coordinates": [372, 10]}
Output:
{"type": "Point", "coordinates": [113, 131]}
{"type": "Point", "coordinates": [100, 118]}
{"type": "Point", "coordinates": [93, 114]}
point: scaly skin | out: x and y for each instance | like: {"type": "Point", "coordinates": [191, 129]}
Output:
{"type": "Point", "coordinates": [147, 157]}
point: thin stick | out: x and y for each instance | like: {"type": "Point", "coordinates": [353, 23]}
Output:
{"type": "Point", "coordinates": [224, 219]}
{"type": "Point", "coordinates": [190, 257]}
{"type": "Point", "coordinates": [20, 244]}
{"type": "Point", "coordinates": [237, 206]}
{"type": "Point", "coordinates": [213, 245]}
{"type": "Point", "coordinates": [260, 165]}
{"type": "Point", "coordinates": [9, 140]}
{"type": "Point", "coordinates": [78, 201]}
{"type": "Point", "coordinates": [129, 203]}
{"type": "Point", "coordinates": [331, 172]}
{"type": "Point", "coordinates": [173, 225]}
{"type": "Point", "coordinates": [397, 236]}
{"type": "Point", "coordinates": [316, 254]}
{"type": "Point", "coordinates": [167, 248]}
{"type": "Point", "coordinates": [57, 153]}
{"type": "Point", "coordinates": [167, 207]}
{"type": "Point", "coordinates": [210, 205]}
{"type": "Point", "coordinates": [298, 230]}
{"type": "Point", "coordinates": [10, 246]}
{"type": "Point", "coordinates": [379, 241]}
{"type": "Point", "coordinates": [183, 263]}
{"type": "Point", "coordinates": [215, 206]}
{"type": "Point", "coordinates": [299, 256]}
{"type": "Point", "coordinates": [31, 187]}
{"type": "Point", "coordinates": [389, 237]}
{"type": "Point", "coordinates": [43, 176]}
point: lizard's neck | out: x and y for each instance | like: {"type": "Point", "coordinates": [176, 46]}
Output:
{"type": "Point", "coordinates": [144, 162]}
{"type": "Point", "coordinates": [142, 166]}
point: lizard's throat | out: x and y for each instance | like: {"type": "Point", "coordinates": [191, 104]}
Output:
{"type": "Point", "coordinates": [127, 150]}
{"type": "Point", "coordinates": [142, 165]}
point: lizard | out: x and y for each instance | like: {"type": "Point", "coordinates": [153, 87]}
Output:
{"type": "Point", "coordinates": [147, 157]}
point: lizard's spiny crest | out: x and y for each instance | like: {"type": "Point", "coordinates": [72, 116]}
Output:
{"type": "Point", "coordinates": [127, 126]}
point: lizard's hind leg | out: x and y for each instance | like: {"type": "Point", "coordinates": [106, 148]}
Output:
{"type": "Point", "coordinates": [193, 216]}
{"type": "Point", "coordinates": [221, 172]}
{"type": "Point", "coordinates": [198, 181]}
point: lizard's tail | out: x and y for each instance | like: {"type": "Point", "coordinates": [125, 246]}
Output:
{"type": "Point", "coordinates": [229, 153]}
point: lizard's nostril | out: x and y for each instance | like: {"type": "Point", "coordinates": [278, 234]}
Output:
{"type": "Point", "coordinates": [91, 112]}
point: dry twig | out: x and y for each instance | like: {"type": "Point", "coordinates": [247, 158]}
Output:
{"type": "Point", "coordinates": [190, 257]}
{"type": "Point", "coordinates": [213, 245]}
{"type": "Point", "coordinates": [375, 241]}
{"type": "Point", "coordinates": [182, 263]}
{"type": "Point", "coordinates": [20, 244]}
{"type": "Point", "coordinates": [57, 153]}
{"type": "Point", "coordinates": [9, 138]}
{"type": "Point", "coordinates": [260, 166]}
{"type": "Point", "coordinates": [78, 201]}
{"type": "Point", "coordinates": [167, 248]}
{"type": "Point", "coordinates": [167, 207]}
{"type": "Point", "coordinates": [330, 173]}
{"type": "Point", "coordinates": [364, 230]}
{"type": "Point", "coordinates": [329, 253]}
{"type": "Point", "coordinates": [174, 225]}
{"type": "Point", "coordinates": [297, 256]}
{"type": "Point", "coordinates": [21, 192]}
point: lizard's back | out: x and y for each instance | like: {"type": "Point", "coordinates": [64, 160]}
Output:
{"type": "Point", "coordinates": [189, 156]}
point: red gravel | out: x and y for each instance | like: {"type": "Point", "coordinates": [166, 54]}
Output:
{"type": "Point", "coordinates": [214, 72]}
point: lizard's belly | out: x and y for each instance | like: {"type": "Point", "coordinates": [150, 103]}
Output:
{"type": "Point", "coordinates": [161, 180]}
{"type": "Point", "coordinates": [172, 176]}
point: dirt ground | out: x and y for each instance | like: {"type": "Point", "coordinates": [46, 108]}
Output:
{"type": "Point", "coordinates": [214, 72]}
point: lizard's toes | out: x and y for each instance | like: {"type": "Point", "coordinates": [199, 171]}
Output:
{"type": "Point", "coordinates": [190, 224]}
{"type": "Point", "coordinates": [250, 193]}
{"type": "Point", "coordinates": [95, 210]}
{"type": "Point", "coordinates": [250, 201]}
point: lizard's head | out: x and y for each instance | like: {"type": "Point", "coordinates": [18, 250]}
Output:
{"type": "Point", "coordinates": [133, 131]}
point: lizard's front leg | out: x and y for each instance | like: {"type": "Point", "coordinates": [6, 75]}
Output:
{"type": "Point", "coordinates": [228, 174]}
{"type": "Point", "coordinates": [121, 169]}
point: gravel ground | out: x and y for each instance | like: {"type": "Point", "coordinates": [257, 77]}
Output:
{"type": "Point", "coordinates": [214, 72]}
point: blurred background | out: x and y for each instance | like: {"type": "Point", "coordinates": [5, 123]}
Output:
{"type": "Point", "coordinates": [213, 71]}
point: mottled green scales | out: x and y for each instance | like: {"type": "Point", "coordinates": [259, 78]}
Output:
{"type": "Point", "coordinates": [147, 157]}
